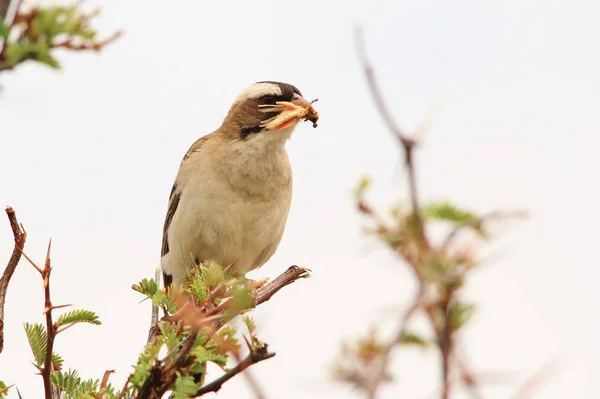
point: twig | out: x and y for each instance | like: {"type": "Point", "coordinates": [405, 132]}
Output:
{"type": "Point", "coordinates": [255, 356]}
{"type": "Point", "coordinates": [20, 236]}
{"type": "Point", "coordinates": [292, 274]}
{"type": "Point", "coordinates": [50, 328]}
{"type": "Point", "coordinates": [154, 318]}
{"type": "Point", "coordinates": [104, 382]}
{"type": "Point", "coordinates": [407, 143]}
{"type": "Point", "coordinates": [254, 385]}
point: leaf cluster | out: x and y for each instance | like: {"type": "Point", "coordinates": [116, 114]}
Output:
{"type": "Point", "coordinates": [193, 331]}
{"type": "Point", "coordinates": [36, 33]}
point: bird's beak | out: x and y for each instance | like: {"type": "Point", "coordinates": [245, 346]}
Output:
{"type": "Point", "coordinates": [289, 113]}
{"type": "Point", "coordinates": [312, 115]}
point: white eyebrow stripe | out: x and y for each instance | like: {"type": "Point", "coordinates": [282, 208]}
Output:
{"type": "Point", "coordinates": [259, 90]}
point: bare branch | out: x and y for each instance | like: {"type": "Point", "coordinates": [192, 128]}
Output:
{"type": "Point", "coordinates": [20, 236]}
{"type": "Point", "coordinates": [292, 274]}
{"type": "Point", "coordinates": [407, 143]}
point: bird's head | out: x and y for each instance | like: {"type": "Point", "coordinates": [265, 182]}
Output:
{"type": "Point", "coordinates": [268, 108]}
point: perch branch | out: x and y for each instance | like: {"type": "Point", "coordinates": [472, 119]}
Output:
{"type": "Point", "coordinates": [292, 274]}
{"type": "Point", "coordinates": [20, 236]}
{"type": "Point", "coordinates": [161, 378]}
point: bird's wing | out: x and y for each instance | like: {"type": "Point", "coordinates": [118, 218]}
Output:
{"type": "Point", "coordinates": [172, 208]}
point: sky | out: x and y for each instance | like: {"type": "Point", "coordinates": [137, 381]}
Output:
{"type": "Point", "coordinates": [88, 156]}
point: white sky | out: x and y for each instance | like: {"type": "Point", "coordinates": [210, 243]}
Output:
{"type": "Point", "coordinates": [88, 156]}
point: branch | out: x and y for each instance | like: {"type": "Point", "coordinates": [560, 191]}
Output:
{"type": "Point", "coordinates": [50, 391]}
{"type": "Point", "coordinates": [50, 328]}
{"type": "Point", "coordinates": [19, 235]}
{"type": "Point", "coordinates": [255, 356]}
{"type": "Point", "coordinates": [162, 377]}
{"type": "Point", "coordinates": [291, 275]}
{"type": "Point", "coordinates": [407, 143]}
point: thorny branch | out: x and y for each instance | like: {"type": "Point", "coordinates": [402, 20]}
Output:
{"type": "Point", "coordinates": [50, 390]}
{"type": "Point", "coordinates": [20, 236]}
{"type": "Point", "coordinates": [413, 257]}
{"type": "Point", "coordinates": [407, 143]}
{"type": "Point", "coordinates": [162, 377]}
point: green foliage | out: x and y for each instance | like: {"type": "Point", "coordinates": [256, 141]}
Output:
{"type": "Point", "coordinates": [78, 316]}
{"type": "Point", "coordinates": [150, 289]}
{"type": "Point", "coordinates": [38, 340]}
{"type": "Point", "coordinates": [73, 387]}
{"type": "Point", "coordinates": [35, 34]}
{"type": "Point", "coordinates": [185, 387]}
{"type": "Point", "coordinates": [210, 297]}
{"type": "Point", "coordinates": [3, 390]}
{"type": "Point", "coordinates": [445, 211]}
{"type": "Point", "coordinates": [459, 314]}
{"type": "Point", "coordinates": [411, 338]}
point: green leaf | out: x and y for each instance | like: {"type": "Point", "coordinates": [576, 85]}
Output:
{"type": "Point", "coordinates": [410, 338]}
{"type": "Point", "coordinates": [185, 387]}
{"type": "Point", "coordinates": [38, 338]}
{"type": "Point", "coordinates": [145, 363]}
{"type": "Point", "coordinates": [197, 287]}
{"type": "Point", "coordinates": [68, 381]}
{"type": "Point", "coordinates": [4, 390]}
{"type": "Point", "coordinates": [148, 287]}
{"type": "Point", "coordinates": [448, 212]}
{"type": "Point", "coordinates": [57, 361]}
{"type": "Point", "coordinates": [78, 316]}
{"type": "Point", "coordinates": [459, 314]}
{"type": "Point", "coordinates": [250, 325]}
{"type": "Point", "coordinates": [204, 355]}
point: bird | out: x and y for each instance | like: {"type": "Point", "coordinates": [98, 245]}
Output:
{"type": "Point", "coordinates": [232, 193]}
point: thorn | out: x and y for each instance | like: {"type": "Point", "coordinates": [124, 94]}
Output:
{"type": "Point", "coordinates": [48, 253]}
{"type": "Point", "coordinates": [32, 262]}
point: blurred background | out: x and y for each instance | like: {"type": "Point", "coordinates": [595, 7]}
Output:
{"type": "Point", "coordinates": [88, 156]}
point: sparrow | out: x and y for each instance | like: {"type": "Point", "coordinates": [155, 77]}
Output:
{"type": "Point", "coordinates": [233, 190]}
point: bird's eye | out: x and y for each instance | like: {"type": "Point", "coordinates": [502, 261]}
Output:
{"type": "Point", "coordinates": [270, 100]}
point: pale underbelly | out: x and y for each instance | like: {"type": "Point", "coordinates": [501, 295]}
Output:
{"type": "Point", "coordinates": [246, 233]}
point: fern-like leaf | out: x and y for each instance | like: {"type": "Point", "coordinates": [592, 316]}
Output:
{"type": "Point", "coordinates": [78, 316]}
{"type": "Point", "coordinates": [38, 339]}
